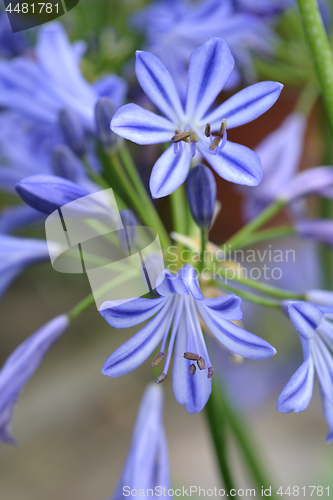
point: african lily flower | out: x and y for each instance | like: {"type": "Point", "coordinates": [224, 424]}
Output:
{"type": "Point", "coordinates": [191, 127]}
{"type": "Point", "coordinates": [147, 464]}
{"type": "Point", "coordinates": [315, 327]}
{"type": "Point", "coordinates": [178, 307]}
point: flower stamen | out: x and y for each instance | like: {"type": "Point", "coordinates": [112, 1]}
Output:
{"type": "Point", "coordinates": [157, 359]}
{"type": "Point", "coordinates": [161, 378]}
{"type": "Point", "coordinates": [191, 356]}
{"type": "Point", "coordinates": [192, 369]}
{"type": "Point", "coordinates": [201, 363]}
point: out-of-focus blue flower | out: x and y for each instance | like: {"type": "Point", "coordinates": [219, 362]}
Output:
{"type": "Point", "coordinates": [73, 130]}
{"type": "Point", "coordinates": [180, 303]}
{"type": "Point", "coordinates": [175, 31]}
{"type": "Point", "coordinates": [21, 365]}
{"type": "Point", "coordinates": [320, 297]}
{"type": "Point", "coordinates": [147, 464]}
{"type": "Point", "coordinates": [263, 7]}
{"type": "Point", "coordinates": [320, 230]}
{"type": "Point", "coordinates": [280, 154]}
{"type": "Point", "coordinates": [315, 327]}
{"type": "Point", "coordinates": [47, 193]}
{"type": "Point", "coordinates": [313, 181]}
{"type": "Point", "coordinates": [16, 254]}
{"type": "Point", "coordinates": [190, 128]}
{"type": "Point", "coordinates": [40, 87]}
{"type": "Point", "coordinates": [201, 195]}
{"type": "Point", "coordinates": [11, 44]}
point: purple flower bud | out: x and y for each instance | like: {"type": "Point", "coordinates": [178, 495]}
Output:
{"type": "Point", "coordinates": [73, 130]}
{"type": "Point", "coordinates": [201, 193]}
{"type": "Point", "coordinates": [127, 236]}
{"type": "Point", "coordinates": [104, 111]}
{"type": "Point", "coordinates": [66, 164]}
{"type": "Point", "coordinates": [47, 193]}
{"type": "Point", "coordinates": [320, 230]}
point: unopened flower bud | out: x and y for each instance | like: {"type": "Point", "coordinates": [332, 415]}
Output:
{"type": "Point", "coordinates": [73, 130]}
{"type": "Point", "coordinates": [65, 163]}
{"type": "Point", "coordinates": [104, 111]}
{"type": "Point", "coordinates": [127, 236]}
{"type": "Point", "coordinates": [201, 193]}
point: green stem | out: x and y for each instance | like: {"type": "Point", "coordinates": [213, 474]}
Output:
{"type": "Point", "coordinates": [262, 301]}
{"type": "Point", "coordinates": [274, 291]}
{"type": "Point", "coordinates": [90, 299]}
{"type": "Point", "coordinates": [240, 238]}
{"type": "Point", "coordinates": [178, 210]}
{"type": "Point", "coordinates": [204, 238]}
{"type": "Point", "coordinates": [135, 178]}
{"type": "Point", "coordinates": [144, 213]}
{"type": "Point", "coordinates": [268, 234]}
{"type": "Point", "coordinates": [246, 446]}
{"type": "Point", "coordinates": [217, 425]}
{"type": "Point", "coordinates": [320, 50]}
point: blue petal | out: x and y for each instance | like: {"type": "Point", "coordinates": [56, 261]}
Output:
{"type": "Point", "coordinates": [172, 283]}
{"type": "Point", "coordinates": [228, 307]}
{"type": "Point", "coordinates": [190, 279]}
{"type": "Point", "coordinates": [305, 317]}
{"type": "Point", "coordinates": [141, 126]}
{"type": "Point", "coordinates": [297, 393]}
{"type": "Point", "coordinates": [323, 363]}
{"type": "Point", "coordinates": [233, 337]}
{"type": "Point", "coordinates": [193, 391]}
{"type": "Point", "coordinates": [15, 217]}
{"type": "Point", "coordinates": [130, 313]}
{"type": "Point", "coordinates": [235, 163]}
{"type": "Point", "coordinates": [112, 86]}
{"type": "Point", "coordinates": [209, 69]}
{"type": "Point", "coordinates": [328, 414]}
{"type": "Point", "coordinates": [136, 350]}
{"type": "Point", "coordinates": [246, 105]}
{"type": "Point", "coordinates": [158, 85]}
{"type": "Point", "coordinates": [169, 172]}
{"type": "Point", "coordinates": [24, 361]}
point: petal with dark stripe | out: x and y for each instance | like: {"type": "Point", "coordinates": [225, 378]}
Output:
{"type": "Point", "coordinates": [169, 172]}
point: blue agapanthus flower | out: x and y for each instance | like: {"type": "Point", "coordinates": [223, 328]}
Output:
{"type": "Point", "coordinates": [16, 254]}
{"type": "Point", "coordinates": [180, 304]}
{"type": "Point", "coordinates": [147, 464]}
{"type": "Point", "coordinates": [315, 327]}
{"type": "Point", "coordinates": [40, 87]}
{"type": "Point", "coordinates": [191, 127]}
{"type": "Point", "coordinates": [318, 230]}
{"type": "Point", "coordinates": [21, 365]}
{"type": "Point", "coordinates": [280, 154]}
{"type": "Point", "coordinates": [176, 29]}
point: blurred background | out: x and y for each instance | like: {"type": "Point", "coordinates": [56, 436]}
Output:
{"type": "Point", "coordinates": [72, 424]}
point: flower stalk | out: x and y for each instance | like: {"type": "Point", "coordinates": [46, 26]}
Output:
{"type": "Point", "coordinates": [320, 51]}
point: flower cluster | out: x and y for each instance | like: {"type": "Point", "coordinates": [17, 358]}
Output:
{"type": "Point", "coordinates": [65, 119]}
